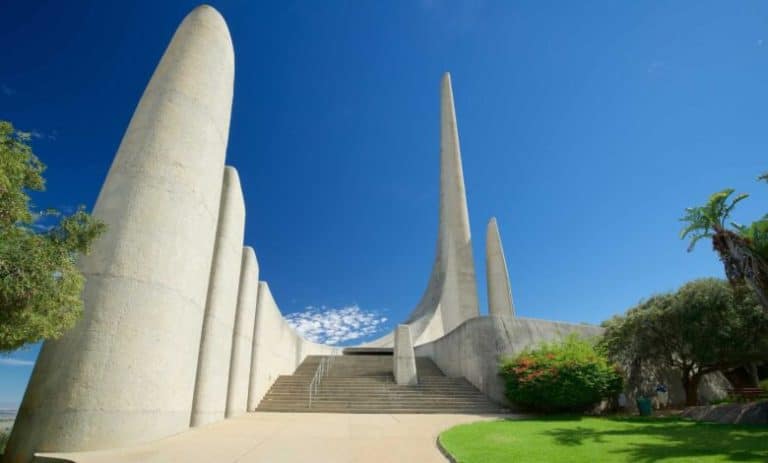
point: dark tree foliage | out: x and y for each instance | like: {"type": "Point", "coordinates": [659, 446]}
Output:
{"type": "Point", "coordinates": [705, 326]}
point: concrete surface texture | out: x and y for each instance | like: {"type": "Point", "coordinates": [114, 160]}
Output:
{"type": "Point", "coordinates": [404, 358]}
{"type": "Point", "coordinates": [126, 372]}
{"type": "Point", "coordinates": [242, 339]}
{"type": "Point", "coordinates": [210, 399]}
{"type": "Point", "coordinates": [474, 349]}
{"type": "Point", "coordinates": [277, 348]}
{"type": "Point", "coordinates": [500, 303]}
{"type": "Point", "coordinates": [451, 294]}
{"type": "Point", "coordinates": [296, 438]}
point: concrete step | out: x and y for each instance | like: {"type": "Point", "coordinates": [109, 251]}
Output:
{"type": "Point", "coordinates": [313, 409]}
{"type": "Point", "coordinates": [364, 384]}
{"type": "Point", "coordinates": [370, 380]}
{"type": "Point", "coordinates": [373, 394]}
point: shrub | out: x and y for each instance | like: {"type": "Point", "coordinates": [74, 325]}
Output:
{"type": "Point", "coordinates": [764, 385]}
{"type": "Point", "coordinates": [4, 435]}
{"type": "Point", "coordinates": [561, 376]}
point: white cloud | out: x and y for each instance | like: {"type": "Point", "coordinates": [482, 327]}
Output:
{"type": "Point", "coordinates": [656, 67]}
{"type": "Point", "coordinates": [43, 135]}
{"type": "Point", "coordinates": [329, 325]}
{"type": "Point", "coordinates": [12, 362]}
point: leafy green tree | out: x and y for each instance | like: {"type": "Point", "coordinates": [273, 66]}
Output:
{"type": "Point", "coordinates": [742, 249]}
{"type": "Point", "coordinates": [705, 326]}
{"type": "Point", "coordinates": [40, 286]}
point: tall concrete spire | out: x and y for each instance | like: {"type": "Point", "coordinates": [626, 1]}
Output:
{"type": "Point", "coordinates": [451, 294]}
{"type": "Point", "coordinates": [497, 277]}
{"type": "Point", "coordinates": [126, 372]}
{"type": "Point", "coordinates": [454, 235]}
{"type": "Point", "coordinates": [453, 197]}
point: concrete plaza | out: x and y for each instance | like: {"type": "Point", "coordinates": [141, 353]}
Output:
{"type": "Point", "coordinates": [296, 437]}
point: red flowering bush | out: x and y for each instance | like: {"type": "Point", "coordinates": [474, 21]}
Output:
{"type": "Point", "coordinates": [561, 376]}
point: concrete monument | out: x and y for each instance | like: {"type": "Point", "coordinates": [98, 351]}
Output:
{"type": "Point", "coordinates": [177, 331]}
{"type": "Point", "coordinates": [451, 295]}
{"type": "Point", "coordinates": [126, 372]}
{"type": "Point", "coordinates": [242, 338]}
{"type": "Point", "coordinates": [210, 399]}
{"type": "Point", "coordinates": [497, 277]}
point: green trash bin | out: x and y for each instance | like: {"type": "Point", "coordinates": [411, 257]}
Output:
{"type": "Point", "coordinates": [644, 406]}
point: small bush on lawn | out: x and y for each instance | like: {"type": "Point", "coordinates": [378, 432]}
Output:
{"type": "Point", "coordinates": [561, 376]}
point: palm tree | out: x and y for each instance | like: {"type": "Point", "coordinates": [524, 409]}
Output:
{"type": "Point", "coordinates": [742, 249]}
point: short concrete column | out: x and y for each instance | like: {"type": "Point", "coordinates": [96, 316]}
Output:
{"type": "Point", "coordinates": [404, 357]}
{"type": "Point", "coordinates": [497, 277]}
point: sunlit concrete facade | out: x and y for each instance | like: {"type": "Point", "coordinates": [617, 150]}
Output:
{"type": "Point", "coordinates": [242, 337]}
{"type": "Point", "coordinates": [496, 275]}
{"type": "Point", "coordinates": [404, 357]}
{"type": "Point", "coordinates": [212, 381]}
{"type": "Point", "coordinates": [126, 372]}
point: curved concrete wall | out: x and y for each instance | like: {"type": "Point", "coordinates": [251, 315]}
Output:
{"type": "Point", "coordinates": [475, 348]}
{"type": "Point", "coordinates": [210, 399]}
{"type": "Point", "coordinates": [126, 372]}
{"type": "Point", "coordinates": [242, 340]}
{"type": "Point", "coordinates": [277, 348]}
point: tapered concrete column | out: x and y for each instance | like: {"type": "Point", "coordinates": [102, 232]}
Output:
{"type": "Point", "coordinates": [404, 357]}
{"type": "Point", "coordinates": [126, 372]}
{"type": "Point", "coordinates": [499, 289]}
{"type": "Point", "coordinates": [242, 341]}
{"type": "Point", "coordinates": [210, 401]}
{"type": "Point", "coordinates": [450, 298]}
{"type": "Point", "coordinates": [454, 229]}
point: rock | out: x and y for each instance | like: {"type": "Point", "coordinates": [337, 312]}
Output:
{"type": "Point", "coordinates": [749, 413]}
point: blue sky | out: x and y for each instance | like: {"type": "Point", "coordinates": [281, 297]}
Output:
{"type": "Point", "coordinates": [586, 129]}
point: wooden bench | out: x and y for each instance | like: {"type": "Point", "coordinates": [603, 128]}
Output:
{"type": "Point", "coordinates": [748, 393]}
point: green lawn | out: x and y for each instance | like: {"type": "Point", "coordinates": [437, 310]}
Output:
{"type": "Point", "coordinates": [582, 439]}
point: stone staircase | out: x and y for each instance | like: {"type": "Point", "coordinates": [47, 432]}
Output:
{"type": "Point", "coordinates": [364, 384]}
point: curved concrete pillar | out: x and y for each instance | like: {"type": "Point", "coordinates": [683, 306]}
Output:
{"type": "Point", "coordinates": [126, 372]}
{"type": "Point", "coordinates": [242, 340]}
{"type": "Point", "coordinates": [210, 400]}
{"type": "Point", "coordinates": [500, 302]}
{"type": "Point", "coordinates": [266, 329]}
{"type": "Point", "coordinates": [404, 357]}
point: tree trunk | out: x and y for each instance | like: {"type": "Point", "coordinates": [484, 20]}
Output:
{"type": "Point", "coordinates": [741, 263]}
{"type": "Point", "coordinates": [691, 385]}
{"type": "Point", "coordinates": [752, 369]}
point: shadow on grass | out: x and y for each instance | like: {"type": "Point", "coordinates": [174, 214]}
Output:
{"type": "Point", "coordinates": [649, 440]}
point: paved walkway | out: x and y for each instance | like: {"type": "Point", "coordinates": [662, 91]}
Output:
{"type": "Point", "coordinates": [296, 438]}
